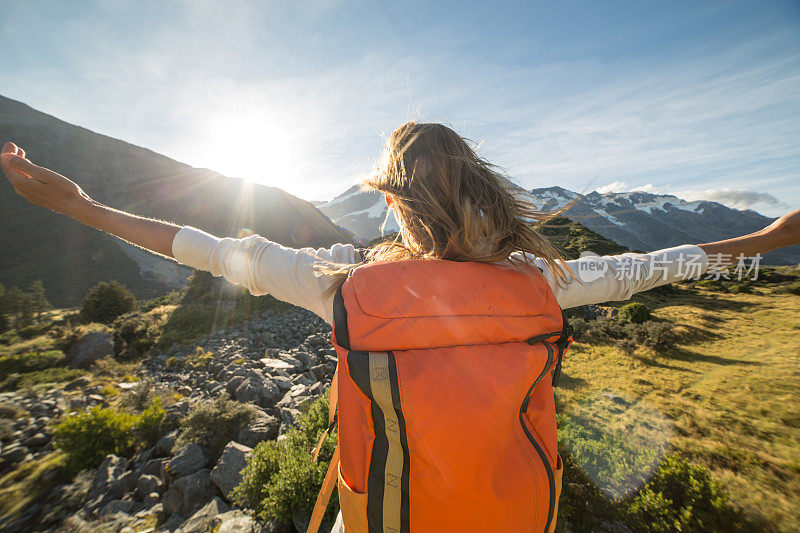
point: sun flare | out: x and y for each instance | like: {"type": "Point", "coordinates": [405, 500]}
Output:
{"type": "Point", "coordinates": [252, 146]}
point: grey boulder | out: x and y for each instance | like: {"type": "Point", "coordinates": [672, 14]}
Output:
{"type": "Point", "coordinates": [262, 428]}
{"type": "Point", "coordinates": [260, 392]}
{"type": "Point", "coordinates": [238, 522]}
{"type": "Point", "coordinates": [227, 474]}
{"type": "Point", "coordinates": [188, 494]}
{"type": "Point", "coordinates": [165, 443]}
{"type": "Point", "coordinates": [202, 521]}
{"type": "Point", "coordinates": [148, 483]}
{"type": "Point", "coordinates": [108, 477]}
{"type": "Point", "coordinates": [89, 348]}
{"type": "Point", "coordinates": [188, 460]}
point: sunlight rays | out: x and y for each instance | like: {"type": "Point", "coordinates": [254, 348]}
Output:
{"type": "Point", "coordinates": [253, 145]}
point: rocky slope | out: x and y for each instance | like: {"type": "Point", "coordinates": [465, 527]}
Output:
{"type": "Point", "coordinates": [636, 220]}
{"type": "Point", "coordinates": [70, 258]}
{"type": "Point", "coordinates": [277, 362]}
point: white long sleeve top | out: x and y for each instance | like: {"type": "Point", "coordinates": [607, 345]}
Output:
{"type": "Point", "coordinates": [263, 267]}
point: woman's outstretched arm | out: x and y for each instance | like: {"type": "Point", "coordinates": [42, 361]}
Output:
{"type": "Point", "coordinates": [260, 265]}
{"type": "Point", "coordinates": [49, 189]}
{"type": "Point", "coordinates": [785, 231]}
{"type": "Point", "coordinates": [618, 277]}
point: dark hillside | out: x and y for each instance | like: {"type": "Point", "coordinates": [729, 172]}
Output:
{"type": "Point", "coordinates": [70, 257]}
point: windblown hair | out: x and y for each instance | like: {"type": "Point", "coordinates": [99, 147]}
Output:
{"type": "Point", "coordinates": [450, 204]}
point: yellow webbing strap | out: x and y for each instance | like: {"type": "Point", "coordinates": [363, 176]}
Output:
{"type": "Point", "coordinates": [334, 400]}
{"type": "Point", "coordinates": [381, 385]}
{"type": "Point", "coordinates": [325, 492]}
{"type": "Point", "coordinates": [331, 475]}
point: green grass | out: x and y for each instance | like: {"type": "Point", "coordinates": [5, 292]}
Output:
{"type": "Point", "coordinates": [729, 389]}
{"type": "Point", "coordinates": [49, 376]}
{"type": "Point", "coordinates": [32, 481]}
{"type": "Point", "coordinates": [29, 362]}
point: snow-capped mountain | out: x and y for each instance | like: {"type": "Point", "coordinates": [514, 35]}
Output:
{"type": "Point", "coordinates": [637, 220]}
{"type": "Point", "coordinates": [361, 212]}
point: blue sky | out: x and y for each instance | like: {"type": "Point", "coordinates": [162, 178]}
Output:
{"type": "Point", "coordinates": [698, 99]}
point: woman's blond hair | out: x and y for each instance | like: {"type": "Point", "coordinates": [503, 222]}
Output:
{"type": "Point", "coordinates": [450, 204]}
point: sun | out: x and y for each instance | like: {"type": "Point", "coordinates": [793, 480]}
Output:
{"type": "Point", "coordinates": [253, 146]}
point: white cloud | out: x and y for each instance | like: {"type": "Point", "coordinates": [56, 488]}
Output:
{"type": "Point", "coordinates": [738, 199]}
{"type": "Point", "coordinates": [616, 186]}
{"type": "Point", "coordinates": [735, 198]}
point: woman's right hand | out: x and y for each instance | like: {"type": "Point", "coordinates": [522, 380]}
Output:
{"type": "Point", "coordinates": [39, 185]}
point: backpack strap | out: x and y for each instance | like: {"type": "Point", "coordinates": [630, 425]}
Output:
{"type": "Point", "coordinates": [563, 343]}
{"type": "Point", "coordinates": [342, 339]}
{"type": "Point", "coordinates": [325, 492]}
{"type": "Point", "coordinates": [329, 482]}
{"type": "Point", "coordinates": [332, 402]}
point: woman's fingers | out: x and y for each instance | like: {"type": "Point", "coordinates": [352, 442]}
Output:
{"type": "Point", "coordinates": [24, 185]}
{"type": "Point", "coordinates": [16, 177]}
{"type": "Point", "coordinates": [11, 148]}
{"type": "Point", "coordinates": [36, 172]}
{"type": "Point", "coordinates": [38, 185]}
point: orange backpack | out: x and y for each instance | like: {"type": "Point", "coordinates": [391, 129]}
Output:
{"type": "Point", "coordinates": [446, 421]}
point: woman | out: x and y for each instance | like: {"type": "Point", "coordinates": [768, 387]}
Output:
{"type": "Point", "coordinates": [450, 205]}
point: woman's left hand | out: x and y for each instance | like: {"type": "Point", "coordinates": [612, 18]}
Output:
{"type": "Point", "coordinates": [786, 230]}
{"type": "Point", "coordinates": [38, 185]}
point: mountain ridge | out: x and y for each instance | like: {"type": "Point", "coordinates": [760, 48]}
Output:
{"type": "Point", "coordinates": [637, 220]}
{"type": "Point", "coordinates": [70, 257]}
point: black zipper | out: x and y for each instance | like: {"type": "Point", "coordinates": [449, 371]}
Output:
{"type": "Point", "coordinates": [542, 455]}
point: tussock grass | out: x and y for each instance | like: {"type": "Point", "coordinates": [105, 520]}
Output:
{"type": "Point", "coordinates": [730, 387]}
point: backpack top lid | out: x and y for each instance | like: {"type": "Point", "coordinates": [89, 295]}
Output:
{"type": "Point", "coordinates": [435, 303]}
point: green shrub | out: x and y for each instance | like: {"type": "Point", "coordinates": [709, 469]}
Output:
{"type": "Point", "coordinates": [209, 303]}
{"type": "Point", "coordinates": [634, 312]}
{"type": "Point", "coordinates": [659, 336]}
{"type": "Point", "coordinates": [192, 321]}
{"type": "Point", "coordinates": [619, 463]}
{"type": "Point", "coordinates": [214, 424]}
{"type": "Point", "coordinates": [106, 301]}
{"type": "Point", "coordinates": [674, 496]}
{"type": "Point", "coordinates": [175, 362]}
{"type": "Point", "coordinates": [710, 284]}
{"type": "Point", "coordinates": [150, 424]}
{"type": "Point", "coordinates": [5, 323]}
{"type": "Point", "coordinates": [136, 330]}
{"type": "Point", "coordinates": [171, 298]}
{"type": "Point", "coordinates": [30, 361]}
{"type": "Point", "coordinates": [280, 479]}
{"type": "Point", "coordinates": [579, 328]}
{"type": "Point", "coordinates": [604, 328]}
{"type": "Point", "coordinates": [680, 497]}
{"type": "Point", "coordinates": [87, 438]}
{"type": "Point", "coordinates": [737, 288]}
{"type": "Point", "coordinates": [626, 346]}
{"type": "Point", "coordinates": [582, 506]}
